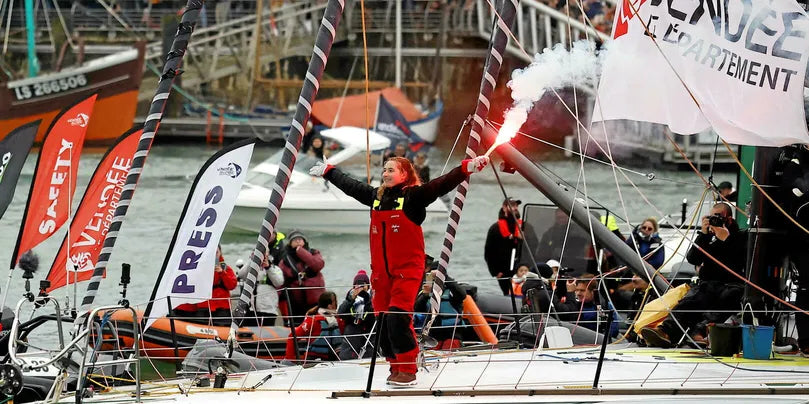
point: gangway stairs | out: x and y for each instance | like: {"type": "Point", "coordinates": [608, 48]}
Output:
{"type": "Point", "coordinates": [227, 49]}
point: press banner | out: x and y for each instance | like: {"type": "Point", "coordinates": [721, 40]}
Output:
{"type": "Point", "coordinates": [14, 149]}
{"type": "Point", "coordinates": [188, 270]}
{"type": "Point", "coordinates": [94, 215]}
{"type": "Point", "coordinates": [744, 62]}
{"type": "Point", "coordinates": [54, 177]}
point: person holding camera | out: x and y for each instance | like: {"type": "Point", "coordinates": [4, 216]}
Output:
{"type": "Point", "coordinates": [718, 288]}
{"type": "Point", "coordinates": [265, 296]}
{"type": "Point", "coordinates": [301, 267]}
{"type": "Point", "coordinates": [357, 312]}
{"type": "Point", "coordinates": [224, 280]}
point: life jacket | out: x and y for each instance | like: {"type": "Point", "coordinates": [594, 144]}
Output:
{"type": "Point", "coordinates": [517, 288]}
{"type": "Point", "coordinates": [502, 224]}
{"type": "Point", "coordinates": [447, 317]}
{"type": "Point", "coordinates": [397, 244]}
{"type": "Point", "coordinates": [327, 344]}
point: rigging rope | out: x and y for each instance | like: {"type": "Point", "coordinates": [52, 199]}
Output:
{"type": "Point", "coordinates": [704, 252]}
{"type": "Point", "coordinates": [367, 112]}
{"type": "Point", "coordinates": [732, 153]}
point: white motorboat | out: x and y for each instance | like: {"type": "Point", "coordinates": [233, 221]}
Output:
{"type": "Point", "coordinates": [311, 204]}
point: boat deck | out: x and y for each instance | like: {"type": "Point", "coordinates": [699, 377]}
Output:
{"type": "Point", "coordinates": [628, 374]}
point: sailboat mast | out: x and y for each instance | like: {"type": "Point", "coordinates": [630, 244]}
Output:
{"type": "Point", "coordinates": [565, 201]}
{"type": "Point", "coordinates": [491, 69]}
{"type": "Point", "coordinates": [317, 64]}
{"type": "Point", "coordinates": [765, 237]}
{"type": "Point", "coordinates": [33, 63]}
{"type": "Point", "coordinates": [494, 60]}
{"type": "Point", "coordinates": [171, 70]}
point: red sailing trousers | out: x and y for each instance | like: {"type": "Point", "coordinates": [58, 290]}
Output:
{"type": "Point", "coordinates": [397, 265]}
{"type": "Point", "coordinates": [397, 292]}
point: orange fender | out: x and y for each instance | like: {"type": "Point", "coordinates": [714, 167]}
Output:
{"type": "Point", "coordinates": [472, 314]}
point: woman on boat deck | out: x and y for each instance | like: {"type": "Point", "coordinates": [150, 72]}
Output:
{"type": "Point", "coordinates": [321, 331]}
{"type": "Point", "coordinates": [398, 207]}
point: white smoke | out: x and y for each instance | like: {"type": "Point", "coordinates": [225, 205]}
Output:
{"type": "Point", "coordinates": [552, 69]}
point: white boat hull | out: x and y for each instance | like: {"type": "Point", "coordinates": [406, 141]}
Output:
{"type": "Point", "coordinates": [629, 375]}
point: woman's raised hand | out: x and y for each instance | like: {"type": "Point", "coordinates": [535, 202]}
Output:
{"type": "Point", "coordinates": [320, 169]}
{"type": "Point", "coordinates": [475, 165]}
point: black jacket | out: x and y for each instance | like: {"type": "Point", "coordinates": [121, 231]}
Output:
{"type": "Point", "coordinates": [497, 251]}
{"type": "Point", "coordinates": [416, 198]}
{"type": "Point", "coordinates": [732, 252]}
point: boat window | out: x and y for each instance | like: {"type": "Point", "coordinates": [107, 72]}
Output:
{"type": "Point", "coordinates": [552, 237]}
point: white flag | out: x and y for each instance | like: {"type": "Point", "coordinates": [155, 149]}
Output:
{"type": "Point", "coordinates": [744, 62]}
{"type": "Point", "coordinates": [188, 270]}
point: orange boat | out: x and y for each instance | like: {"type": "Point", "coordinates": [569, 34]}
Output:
{"type": "Point", "coordinates": [116, 78]}
{"type": "Point", "coordinates": [158, 341]}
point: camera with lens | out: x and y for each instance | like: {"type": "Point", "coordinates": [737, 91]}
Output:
{"type": "Point", "coordinates": [716, 220]}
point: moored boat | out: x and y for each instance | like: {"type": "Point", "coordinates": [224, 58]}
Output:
{"type": "Point", "coordinates": [116, 78]}
{"type": "Point", "coordinates": [159, 340]}
{"type": "Point", "coordinates": [311, 205]}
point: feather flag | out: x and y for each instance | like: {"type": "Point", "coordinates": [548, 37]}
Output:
{"type": "Point", "coordinates": [188, 269]}
{"type": "Point", "coordinates": [54, 177]}
{"type": "Point", "coordinates": [94, 215]}
{"type": "Point", "coordinates": [14, 150]}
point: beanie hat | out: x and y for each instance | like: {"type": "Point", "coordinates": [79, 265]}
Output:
{"type": "Point", "coordinates": [295, 234]}
{"type": "Point", "coordinates": [361, 278]}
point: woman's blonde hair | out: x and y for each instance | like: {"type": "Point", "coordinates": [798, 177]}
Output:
{"type": "Point", "coordinates": [653, 221]}
{"type": "Point", "coordinates": [411, 176]}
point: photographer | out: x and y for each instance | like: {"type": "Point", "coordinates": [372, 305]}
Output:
{"type": "Point", "coordinates": [357, 312]}
{"type": "Point", "coordinates": [301, 266]}
{"type": "Point", "coordinates": [717, 289]}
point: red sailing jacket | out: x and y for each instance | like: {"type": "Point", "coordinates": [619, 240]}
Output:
{"type": "Point", "coordinates": [308, 332]}
{"type": "Point", "coordinates": [223, 283]}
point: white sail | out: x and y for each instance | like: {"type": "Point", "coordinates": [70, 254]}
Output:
{"type": "Point", "coordinates": [745, 66]}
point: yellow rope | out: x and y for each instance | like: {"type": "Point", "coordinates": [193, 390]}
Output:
{"type": "Point", "coordinates": [671, 257]}
{"type": "Point", "coordinates": [367, 112]}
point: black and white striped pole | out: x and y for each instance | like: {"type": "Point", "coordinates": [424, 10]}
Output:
{"type": "Point", "coordinates": [171, 69]}
{"type": "Point", "coordinates": [320, 54]}
{"type": "Point", "coordinates": [497, 45]}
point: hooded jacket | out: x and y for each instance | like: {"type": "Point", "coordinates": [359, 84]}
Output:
{"type": "Point", "coordinates": [301, 268]}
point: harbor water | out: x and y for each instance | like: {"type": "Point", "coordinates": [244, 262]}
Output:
{"type": "Point", "coordinates": [170, 170]}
